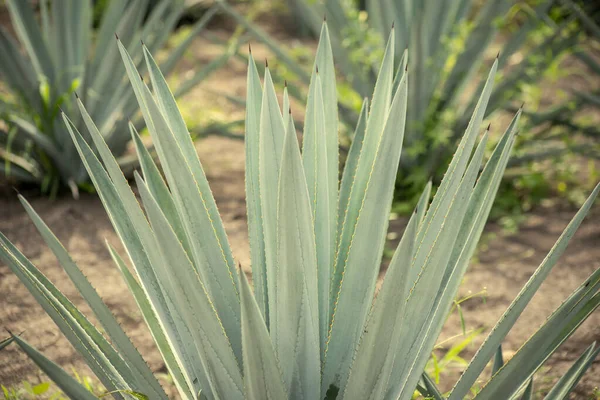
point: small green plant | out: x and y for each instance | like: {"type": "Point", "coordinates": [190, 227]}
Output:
{"type": "Point", "coordinates": [65, 55]}
{"type": "Point", "coordinates": [312, 326]}
{"type": "Point", "coordinates": [28, 391]}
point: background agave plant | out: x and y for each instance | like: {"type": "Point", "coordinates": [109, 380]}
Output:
{"type": "Point", "coordinates": [571, 115]}
{"type": "Point", "coordinates": [65, 54]}
{"type": "Point", "coordinates": [447, 45]}
{"type": "Point", "coordinates": [311, 326]}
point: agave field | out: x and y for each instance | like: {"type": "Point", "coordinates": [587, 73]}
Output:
{"type": "Point", "coordinates": [274, 267]}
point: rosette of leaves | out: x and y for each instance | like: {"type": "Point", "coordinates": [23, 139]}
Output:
{"type": "Point", "coordinates": [312, 326]}
{"type": "Point", "coordinates": [58, 53]}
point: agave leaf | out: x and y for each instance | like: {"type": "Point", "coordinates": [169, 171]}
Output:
{"type": "Point", "coordinates": [270, 146]}
{"type": "Point", "coordinates": [567, 382]}
{"type": "Point", "coordinates": [459, 161]}
{"type": "Point", "coordinates": [127, 350]}
{"type": "Point", "coordinates": [262, 374]}
{"type": "Point", "coordinates": [372, 363]}
{"type": "Point", "coordinates": [521, 74]}
{"type": "Point", "coordinates": [374, 130]}
{"type": "Point", "coordinates": [172, 116]}
{"type": "Point", "coordinates": [324, 61]}
{"type": "Point", "coordinates": [33, 133]}
{"type": "Point", "coordinates": [180, 278]}
{"type": "Point", "coordinates": [478, 40]}
{"type": "Point", "coordinates": [432, 390]}
{"type": "Point", "coordinates": [17, 71]}
{"type": "Point", "coordinates": [402, 67]}
{"type": "Point", "coordinates": [285, 105]}
{"type": "Point", "coordinates": [64, 381]}
{"type": "Point", "coordinates": [253, 198]}
{"type": "Point", "coordinates": [295, 333]}
{"type": "Point", "coordinates": [98, 353]}
{"type": "Point", "coordinates": [211, 253]}
{"type": "Point", "coordinates": [141, 249]}
{"type": "Point", "coordinates": [478, 208]}
{"type": "Point", "coordinates": [516, 41]}
{"type": "Point", "coordinates": [222, 290]}
{"type": "Point", "coordinates": [315, 162]}
{"type": "Point", "coordinates": [351, 163]}
{"type": "Point", "coordinates": [159, 188]}
{"type": "Point", "coordinates": [102, 86]}
{"type": "Point", "coordinates": [71, 40]}
{"type": "Point", "coordinates": [6, 342]}
{"type": "Point", "coordinates": [170, 358]}
{"type": "Point", "coordinates": [545, 341]}
{"type": "Point", "coordinates": [430, 277]}
{"type": "Point", "coordinates": [178, 52]}
{"type": "Point", "coordinates": [498, 360]}
{"type": "Point", "coordinates": [363, 255]}
{"type": "Point", "coordinates": [450, 197]}
{"type": "Point", "coordinates": [264, 38]}
{"type": "Point", "coordinates": [204, 72]}
{"type": "Point", "coordinates": [29, 32]}
{"type": "Point", "coordinates": [528, 393]}
{"type": "Point", "coordinates": [19, 168]}
{"type": "Point", "coordinates": [106, 31]}
{"type": "Point", "coordinates": [423, 203]}
{"type": "Point", "coordinates": [509, 318]}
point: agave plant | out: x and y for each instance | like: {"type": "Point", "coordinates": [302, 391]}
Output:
{"type": "Point", "coordinates": [64, 54]}
{"type": "Point", "coordinates": [313, 325]}
{"type": "Point", "coordinates": [571, 115]}
{"type": "Point", "coordinates": [447, 44]}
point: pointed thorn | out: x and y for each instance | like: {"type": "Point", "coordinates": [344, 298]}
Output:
{"type": "Point", "coordinates": [416, 210]}
{"type": "Point", "coordinates": [290, 110]}
{"type": "Point", "coordinates": [324, 17]}
{"type": "Point", "coordinates": [117, 36]}
{"type": "Point", "coordinates": [76, 95]}
{"type": "Point", "coordinates": [406, 68]}
{"type": "Point", "coordinates": [239, 266]}
{"type": "Point", "coordinates": [317, 68]}
{"type": "Point", "coordinates": [489, 126]}
{"type": "Point", "coordinates": [522, 105]}
{"type": "Point", "coordinates": [393, 24]}
{"type": "Point", "coordinates": [249, 49]}
{"type": "Point", "coordinates": [142, 41]}
{"type": "Point", "coordinates": [285, 83]}
{"type": "Point", "coordinates": [266, 63]}
{"type": "Point", "coordinates": [498, 55]}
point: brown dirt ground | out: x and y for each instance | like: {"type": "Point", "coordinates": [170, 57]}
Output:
{"type": "Point", "coordinates": [502, 267]}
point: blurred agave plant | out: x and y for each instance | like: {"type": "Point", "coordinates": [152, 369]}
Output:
{"type": "Point", "coordinates": [447, 43]}
{"type": "Point", "coordinates": [312, 327]}
{"type": "Point", "coordinates": [571, 115]}
{"type": "Point", "coordinates": [64, 54]}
